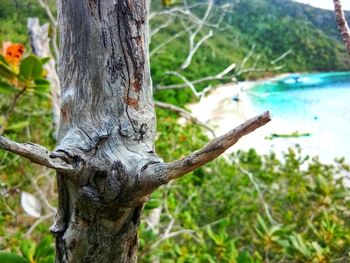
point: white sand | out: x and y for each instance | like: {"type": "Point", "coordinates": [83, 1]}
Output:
{"type": "Point", "coordinates": [220, 112]}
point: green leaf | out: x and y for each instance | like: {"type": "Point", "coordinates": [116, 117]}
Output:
{"type": "Point", "coordinates": [244, 257]}
{"type": "Point", "coordinates": [6, 88]}
{"type": "Point", "coordinates": [214, 237]}
{"type": "Point", "coordinates": [41, 88]}
{"type": "Point", "coordinates": [28, 249]}
{"type": "Point", "coordinates": [151, 204]}
{"type": "Point", "coordinates": [44, 249]}
{"type": "Point", "coordinates": [6, 72]}
{"type": "Point", "coordinates": [41, 91]}
{"type": "Point", "coordinates": [45, 60]}
{"type": "Point", "coordinates": [42, 81]}
{"type": "Point", "coordinates": [6, 257]}
{"type": "Point", "coordinates": [30, 68]}
{"type": "Point", "coordinates": [17, 126]}
{"type": "Point", "coordinates": [262, 223]}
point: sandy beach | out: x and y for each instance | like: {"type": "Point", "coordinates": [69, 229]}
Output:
{"type": "Point", "coordinates": [218, 110]}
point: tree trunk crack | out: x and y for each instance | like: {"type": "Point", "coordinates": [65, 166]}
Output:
{"type": "Point", "coordinates": [120, 20]}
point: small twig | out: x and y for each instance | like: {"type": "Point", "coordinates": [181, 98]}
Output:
{"type": "Point", "coordinates": [9, 209]}
{"type": "Point", "coordinates": [38, 222]}
{"type": "Point", "coordinates": [342, 24]}
{"type": "Point", "coordinates": [220, 76]}
{"type": "Point", "coordinates": [168, 236]}
{"type": "Point", "coordinates": [260, 194]}
{"type": "Point", "coordinates": [166, 42]}
{"type": "Point", "coordinates": [195, 46]}
{"type": "Point", "coordinates": [194, 49]}
{"type": "Point", "coordinates": [184, 114]}
{"type": "Point", "coordinates": [41, 194]}
{"type": "Point", "coordinates": [169, 21]}
{"type": "Point", "coordinates": [11, 109]}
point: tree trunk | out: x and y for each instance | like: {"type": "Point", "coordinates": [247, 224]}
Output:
{"type": "Point", "coordinates": [108, 123]}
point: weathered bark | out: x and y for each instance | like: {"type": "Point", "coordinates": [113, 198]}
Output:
{"type": "Point", "coordinates": [105, 158]}
{"type": "Point", "coordinates": [108, 124]}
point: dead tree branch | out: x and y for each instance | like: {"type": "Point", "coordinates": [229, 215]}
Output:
{"type": "Point", "coordinates": [35, 153]}
{"type": "Point", "coordinates": [161, 173]}
{"type": "Point", "coordinates": [221, 76]}
{"type": "Point", "coordinates": [215, 148]}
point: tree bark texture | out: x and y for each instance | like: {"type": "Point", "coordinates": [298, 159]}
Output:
{"type": "Point", "coordinates": [107, 128]}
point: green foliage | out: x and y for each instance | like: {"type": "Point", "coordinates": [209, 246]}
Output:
{"type": "Point", "coordinates": [226, 221]}
{"type": "Point", "coordinates": [30, 68]}
{"type": "Point", "coordinates": [43, 252]}
{"type": "Point", "coordinates": [6, 257]}
{"type": "Point", "coordinates": [13, 18]}
{"type": "Point", "coordinates": [21, 78]}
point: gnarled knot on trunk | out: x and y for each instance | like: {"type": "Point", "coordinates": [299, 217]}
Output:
{"type": "Point", "coordinates": [105, 189]}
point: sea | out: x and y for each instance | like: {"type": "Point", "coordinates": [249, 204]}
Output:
{"type": "Point", "coordinates": [311, 111]}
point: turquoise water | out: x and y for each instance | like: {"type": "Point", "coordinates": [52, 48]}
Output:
{"type": "Point", "coordinates": [310, 103]}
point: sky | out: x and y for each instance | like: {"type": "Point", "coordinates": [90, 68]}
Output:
{"type": "Point", "coordinates": [325, 4]}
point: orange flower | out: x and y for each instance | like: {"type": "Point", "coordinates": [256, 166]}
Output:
{"type": "Point", "coordinates": [12, 52]}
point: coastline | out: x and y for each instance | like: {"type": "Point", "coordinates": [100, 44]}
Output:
{"type": "Point", "coordinates": [219, 111]}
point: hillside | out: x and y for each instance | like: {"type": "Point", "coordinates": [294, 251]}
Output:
{"type": "Point", "coordinates": [278, 25]}
{"type": "Point", "coordinates": [273, 26]}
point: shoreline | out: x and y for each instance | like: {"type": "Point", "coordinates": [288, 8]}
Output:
{"type": "Point", "coordinates": [219, 111]}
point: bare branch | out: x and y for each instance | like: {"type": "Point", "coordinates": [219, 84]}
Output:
{"type": "Point", "coordinates": [221, 76]}
{"type": "Point", "coordinates": [184, 114]}
{"type": "Point", "coordinates": [194, 49]}
{"type": "Point", "coordinates": [162, 26]}
{"type": "Point", "coordinates": [195, 46]}
{"type": "Point", "coordinates": [38, 222]}
{"type": "Point", "coordinates": [245, 59]}
{"type": "Point", "coordinates": [342, 24]}
{"type": "Point", "coordinates": [168, 41]}
{"type": "Point", "coordinates": [289, 51]}
{"type": "Point", "coordinates": [40, 192]}
{"type": "Point", "coordinates": [256, 185]}
{"type": "Point", "coordinates": [241, 69]}
{"type": "Point", "coordinates": [11, 110]}
{"type": "Point", "coordinates": [187, 82]}
{"type": "Point", "coordinates": [215, 148]}
{"type": "Point", "coordinates": [35, 153]}
{"type": "Point", "coordinates": [156, 174]}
